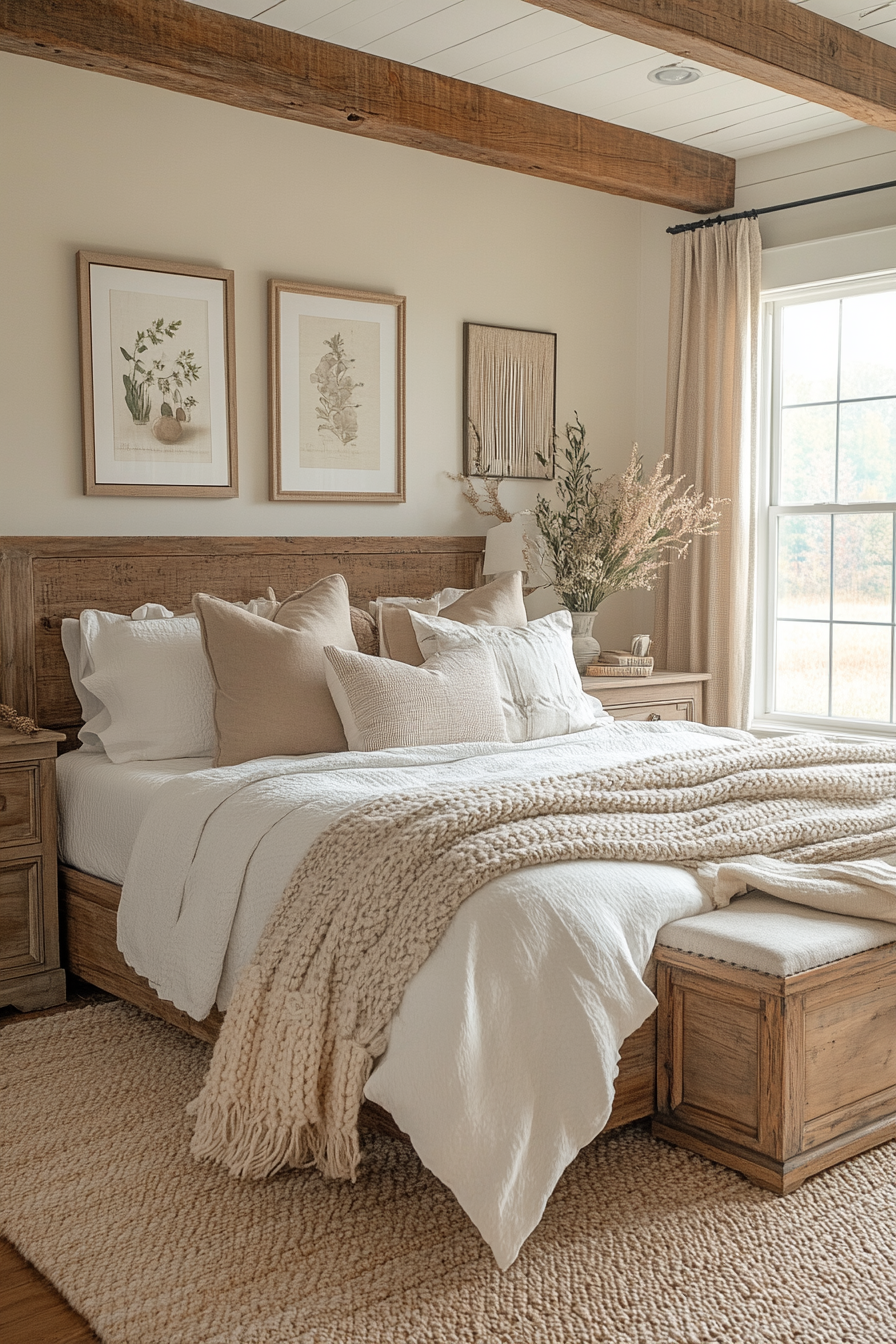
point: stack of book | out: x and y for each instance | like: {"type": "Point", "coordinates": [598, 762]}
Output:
{"type": "Point", "coordinates": [618, 663]}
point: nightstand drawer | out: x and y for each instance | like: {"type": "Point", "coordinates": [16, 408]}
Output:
{"type": "Point", "coordinates": [21, 916]}
{"type": "Point", "coordinates": [30, 974]}
{"type": "Point", "coordinates": [652, 713]}
{"type": "Point", "coordinates": [664, 695]}
{"type": "Point", "coordinates": [19, 805]}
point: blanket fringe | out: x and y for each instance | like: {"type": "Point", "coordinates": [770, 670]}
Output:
{"type": "Point", "coordinates": [254, 1146]}
{"type": "Point", "coordinates": [248, 1146]}
{"type": "Point", "coordinates": [337, 1155]}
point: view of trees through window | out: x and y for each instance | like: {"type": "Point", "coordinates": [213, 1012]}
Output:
{"type": "Point", "coordinates": [834, 500]}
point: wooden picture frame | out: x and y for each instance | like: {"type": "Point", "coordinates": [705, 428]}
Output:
{"type": "Point", "coordinates": [158, 377]}
{"type": "Point", "coordinates": [337, 394]}
{"type": "Point", "coordinates": [510, 381]}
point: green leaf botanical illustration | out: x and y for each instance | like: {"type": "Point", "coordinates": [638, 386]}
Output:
{"type": "Point", "coordinates": [336, 411]}
{"type": "Point", "coordinates": [141, 377]}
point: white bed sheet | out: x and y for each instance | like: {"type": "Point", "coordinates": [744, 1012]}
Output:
{"type": "Point", "coordinates": [101, 807]}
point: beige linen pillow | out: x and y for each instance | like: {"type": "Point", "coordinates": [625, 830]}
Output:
{"type": "Point", "coordinates": [453, 697]}
{"type": "Point", "coordinates": [397, 639]}
{"type": "Point", "coordinates": [271, 696]}
{"type": "Point", "coordinates": [324, 604]}
{"type": "Point", "coordinates": [497, 603]}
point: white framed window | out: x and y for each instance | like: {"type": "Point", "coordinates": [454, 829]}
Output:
{"type": "Point", "coordinates": [826, 587]}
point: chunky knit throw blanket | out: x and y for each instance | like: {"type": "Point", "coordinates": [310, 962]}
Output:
{"type": "Point", "coordinates": [376, 891]}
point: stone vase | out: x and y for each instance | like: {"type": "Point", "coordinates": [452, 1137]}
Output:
{"type": "Point", "coordinates": [585, 648]}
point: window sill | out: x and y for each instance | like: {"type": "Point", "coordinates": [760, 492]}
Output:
{"type": "Point", "coordinates": [782, 725]}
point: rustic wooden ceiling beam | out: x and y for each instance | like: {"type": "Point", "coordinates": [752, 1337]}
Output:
{"type": "Point", "coordinates": [773, 42]}
{"type": "Point", "coordinates": [181, 46]}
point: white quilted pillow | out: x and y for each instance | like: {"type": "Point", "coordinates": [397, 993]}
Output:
{"type": "Point", "coordinates": [541, 690]}
{"type": "Point", "coordinates": [151, 680]}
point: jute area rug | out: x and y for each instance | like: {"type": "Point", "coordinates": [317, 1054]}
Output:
{"type": "Point", "coordinates": [640, 1242]}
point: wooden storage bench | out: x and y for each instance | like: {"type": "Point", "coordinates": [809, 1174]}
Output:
{"type": "Point", "coordinates": [776, 1038]}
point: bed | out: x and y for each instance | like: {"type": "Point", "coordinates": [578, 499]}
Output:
{"type": "Point", "coordinates": [44, 580]}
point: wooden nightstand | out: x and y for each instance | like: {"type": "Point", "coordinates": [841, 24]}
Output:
{"type": "Point", "coordinates": [30, 974]}
{"type": "Point", "coordinates": [662, 695]}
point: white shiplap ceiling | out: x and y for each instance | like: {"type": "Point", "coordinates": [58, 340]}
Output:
{"type": "Point", "coordinates": [539, 55]}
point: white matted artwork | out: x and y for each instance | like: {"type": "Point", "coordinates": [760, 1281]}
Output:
{"type": "Point", "coordinates": [337, 393]}
{"type": "Point", "coordinates": [157, 377]}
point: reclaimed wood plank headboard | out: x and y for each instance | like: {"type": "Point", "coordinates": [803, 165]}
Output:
{"type": "Point", "coordinates": [43, 579]}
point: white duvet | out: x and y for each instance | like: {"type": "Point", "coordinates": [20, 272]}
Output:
{"type": "Point", "coordinates": [503, 1054]}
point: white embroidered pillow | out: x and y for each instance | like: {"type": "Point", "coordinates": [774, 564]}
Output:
{"type": "Point", "coordinates": [453, 697]}
{"type": "Point", "coordinates": [541, 690]}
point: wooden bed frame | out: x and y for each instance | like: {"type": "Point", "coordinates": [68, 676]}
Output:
{"type": "Point", "coordinates": [43, 579]}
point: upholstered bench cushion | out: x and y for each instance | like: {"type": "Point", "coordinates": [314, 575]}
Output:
{"type": "Point", "coordinates": [766, 934]}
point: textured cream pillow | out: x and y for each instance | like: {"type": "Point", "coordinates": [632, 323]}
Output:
{"type": "Point", "coordinates": [453, 697]}
{"type": "Point", "coordinates": [497, 603]}
{"type": "Point", "coordinates": [541, 690]}
{"type": "Point", "coordinates": [271, 696]}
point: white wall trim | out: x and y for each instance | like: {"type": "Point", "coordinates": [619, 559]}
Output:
{"type": "Point", "coordinates": [848, 255]}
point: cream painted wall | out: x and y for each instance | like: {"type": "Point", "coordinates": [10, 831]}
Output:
{"type": "Point", "coordinates": [88, 161]}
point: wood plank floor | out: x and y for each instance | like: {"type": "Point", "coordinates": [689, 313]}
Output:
{"type": "Point", "coordinates": [31, 1310]}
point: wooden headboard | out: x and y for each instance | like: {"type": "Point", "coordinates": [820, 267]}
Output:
{"type": "Point", "coordinates": [43, 579]}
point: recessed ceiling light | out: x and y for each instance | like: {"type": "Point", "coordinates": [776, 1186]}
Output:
{"type": "Point", "coordinates": [674, 74]}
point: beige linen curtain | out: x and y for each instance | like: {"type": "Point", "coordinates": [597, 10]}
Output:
{"type": "Point", "coordinates": [704, 608]}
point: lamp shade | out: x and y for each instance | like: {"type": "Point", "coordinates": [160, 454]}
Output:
{"type": "Point", "coordinates": [504, 548]}
{"type": "Point", "coordinates": [517, 545]}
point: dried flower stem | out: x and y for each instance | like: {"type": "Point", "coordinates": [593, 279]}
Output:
{"type": "Point", "coordinates": [487, 505]}
{"type": "Point", "coordinates": [613, 535]}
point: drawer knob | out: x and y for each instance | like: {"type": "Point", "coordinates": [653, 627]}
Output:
{"type": "Point", "coordinates": [653, 718]}
{"type": "Point", "coordinates": [2, 802]}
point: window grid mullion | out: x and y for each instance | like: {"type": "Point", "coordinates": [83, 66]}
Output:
{"type": "Point", "coordinates": [832, 401]}
{"type": "Point", "coordinates": [831, 621]}
{"type": "Point", "coordinates": [836, 501]}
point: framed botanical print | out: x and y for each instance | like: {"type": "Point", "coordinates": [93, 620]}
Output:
{"type": "Point", "coordinates": [337, 394]}
{"type": "Point", "coordinates": [158, 381]}
{"type": "Point", "coordinates": [509, 401]}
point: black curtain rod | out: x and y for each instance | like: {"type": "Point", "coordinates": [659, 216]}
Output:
{"type": "Point", "coordinates": [770, 209]}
